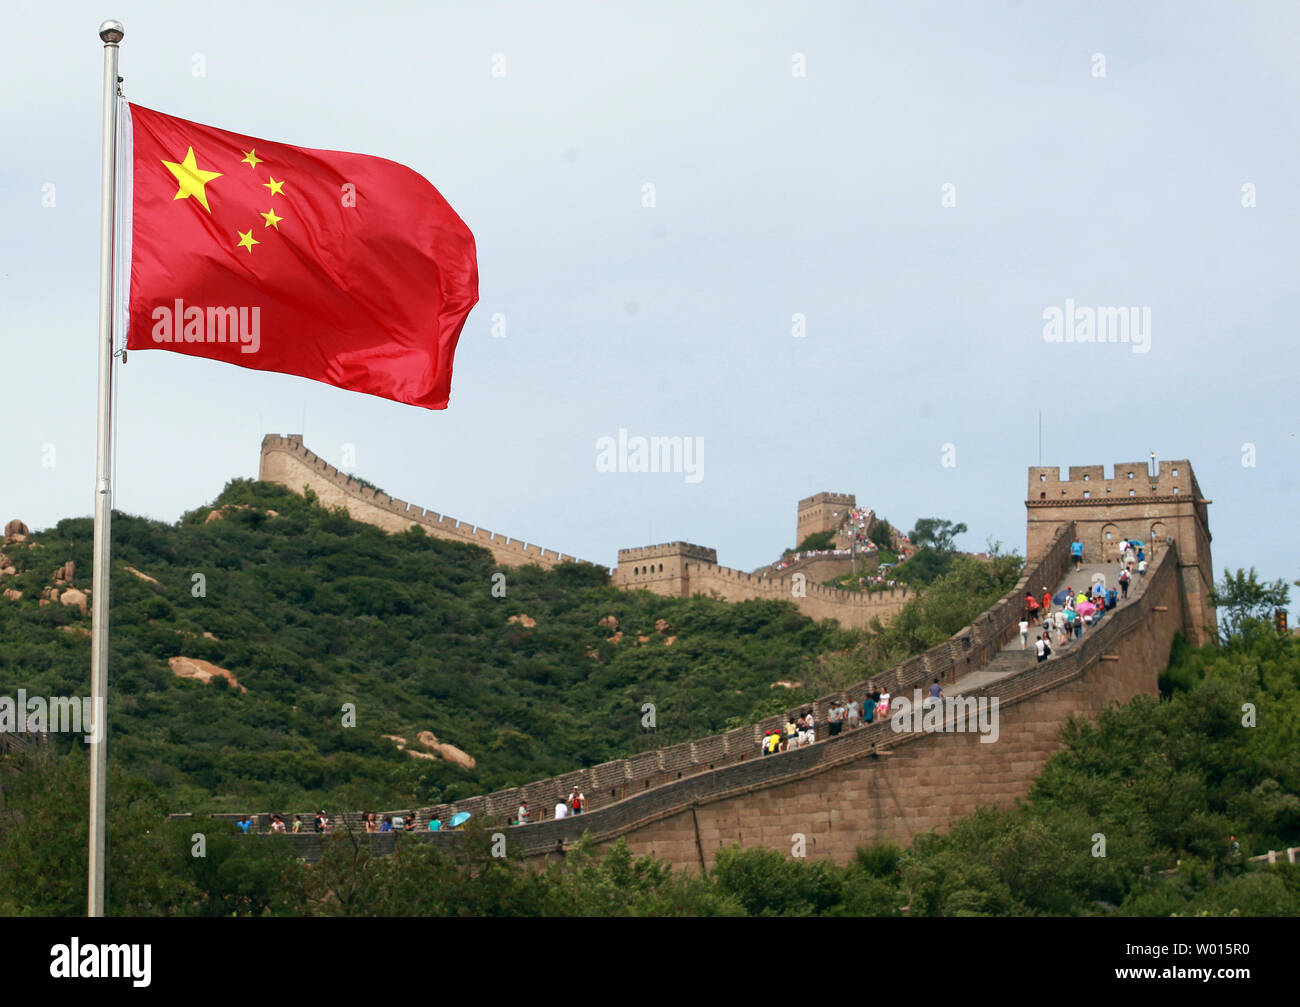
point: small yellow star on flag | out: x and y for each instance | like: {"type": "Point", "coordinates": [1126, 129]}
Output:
{"type": "Point", "coordinates": [246, 240]}
{"type": "Point", "coordinates": [192, 178]}
{"type": "Point", "coordinates": [272, 220]}
{"type": "Point", "coordinates": [251, 159]}
{"type": "Point", "coordinates": [277, 188]}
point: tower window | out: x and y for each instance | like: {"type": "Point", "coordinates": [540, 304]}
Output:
{"type": "Point", "coordinates": [1087, 494]}
{"type": "Point", "coordinates": [1175, 491]}
{"type": "Point", "coordinates": [1130, 475]}
{"type": "Point", "coordinates": [1132, 493]}
{"type": "Point", "coordinates": [1086, 478]}
{"type": "Point", "coordinates": [1042, 478]}
{"type": "Point", "coordinates": [1175, 473]}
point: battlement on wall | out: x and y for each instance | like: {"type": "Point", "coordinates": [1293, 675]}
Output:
{"type": "Point", "coordinates": [685, 549]}
{"type": "Point", "coordinates": [783, 587]}
{"type": "Point", "coordinates": [1130, 481]}
{"type": "Point", "coordinates": [845, 499]}
{"type": "Point", "coordinates": [1130, 504]}
{"type": "Point", "coordinates": [372, 506]}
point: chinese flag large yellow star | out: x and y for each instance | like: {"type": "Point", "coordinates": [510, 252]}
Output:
{"type": "Point", "coordinates": [192, 178]}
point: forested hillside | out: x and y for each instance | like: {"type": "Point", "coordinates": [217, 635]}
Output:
{"type": "Point", "coordinates": [309, 611]}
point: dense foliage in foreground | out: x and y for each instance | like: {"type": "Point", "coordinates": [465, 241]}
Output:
{"type": "Point", "coordinates": [1166, 783]}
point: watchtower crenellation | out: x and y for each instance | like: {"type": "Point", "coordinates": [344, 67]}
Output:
{"type": "Point", "coordinates": [1132, 504]}
{"type": "Point", "coordinates": [822, 512]}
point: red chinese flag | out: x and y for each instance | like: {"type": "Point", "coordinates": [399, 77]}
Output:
{"type": "Point", "coordinates": [338, 267]}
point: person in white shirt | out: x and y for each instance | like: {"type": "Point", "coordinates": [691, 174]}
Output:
{"type": "Point", "coordinates": [1041, 646]}
{"type": "Point", "coordinates": [1024, 634]}
{"type": "Point", "coordinates": [561, 809]}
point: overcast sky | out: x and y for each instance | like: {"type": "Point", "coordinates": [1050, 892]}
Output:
{"type": "Point", "coordinates": [775, 195]}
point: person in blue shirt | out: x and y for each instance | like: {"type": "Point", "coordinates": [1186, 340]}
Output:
{"type": "Point", "coordinates": [243, 824]}
{"type": "Point", "coordinates": [1076, 551]}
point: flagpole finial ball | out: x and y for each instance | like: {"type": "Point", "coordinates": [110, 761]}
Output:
{"type": "Point", "coordinates": [111, 31]}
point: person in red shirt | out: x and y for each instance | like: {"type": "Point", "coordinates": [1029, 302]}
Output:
{"type": "Point", "coordinates": [1031, 608]}
{"type": "Point", "coordinates": [1047, 601]}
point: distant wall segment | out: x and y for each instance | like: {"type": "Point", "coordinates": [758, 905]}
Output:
{"type": "Point", "coordinates": [285, 460]}
{"type": "Point", "coordinates": [682, 570]}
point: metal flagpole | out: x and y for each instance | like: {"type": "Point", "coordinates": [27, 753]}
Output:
{"type": "Point", "coordinates": [111, 33]}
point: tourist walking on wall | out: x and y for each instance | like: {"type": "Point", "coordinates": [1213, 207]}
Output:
{"type": "Point", "coordinates": [1076, 553]}
{"type": "Point", "coordinates": [1024, 634]}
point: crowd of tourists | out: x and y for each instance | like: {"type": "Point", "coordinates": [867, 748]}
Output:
{"type": "Point", "coordinates": [794, 557]}
{"type": "Point", "coordinates": [800, 729]}
{"type": "Point", "coordinates": [565, 807]}
{"type": "Point", "coordinates": [1071, 613]}
{"type": "Point", "coordinates": [321, 823]}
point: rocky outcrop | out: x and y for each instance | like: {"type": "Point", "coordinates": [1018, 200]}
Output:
{"type": "Point", "coordinates": [73, 597]}
{"type": "Point", "coordinates": [662, 626]}
{"type": "Point", "coordinates": [142, 576]}
{"type": "Point", "coordinates": [526, 621]}
{"type": "Point", "coordinates": [616, 638]}
{"type": "Point", "coordinates": [65, 573]}
{"type": "Point", "coordinates": [13, 594]}
{"type": "Point", "coordinates": [609, 622]}
{"type": "Point", "coordinates": [220, 512]}
{"type": "Point", "coordinates": [16, 531]}
{"type": "Point", "coordinates": [203, 671]}
{"type": "Point", "coordinates": [442, 750]}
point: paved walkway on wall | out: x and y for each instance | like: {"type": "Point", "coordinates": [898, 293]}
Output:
{"type": "Point", "coordinates": [1012, 659]}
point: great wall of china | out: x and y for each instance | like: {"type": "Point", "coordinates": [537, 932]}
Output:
{"type": "Point", "coordinates": [679, 569]}
{"type": "Point", "coordinates": [686, 802]}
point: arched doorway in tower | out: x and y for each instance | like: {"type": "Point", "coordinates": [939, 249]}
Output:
{"type": "Point", "coordinates": [1157, 541]}
{"type": "Point", "coordinates": [1109, 545]}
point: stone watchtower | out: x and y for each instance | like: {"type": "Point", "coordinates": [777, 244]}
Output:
{"type": "Point", "coordinates": [663, 569]}
{"type": "Point", "coordinates": [1133, 504]}
{"type": "Point", "coordinates": [822, 512]}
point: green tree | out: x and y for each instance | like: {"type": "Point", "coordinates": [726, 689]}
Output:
{"type": "Point", "coordinates": [1245, 602]}
{"type": "Point", "coordinates": [936, 533]}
